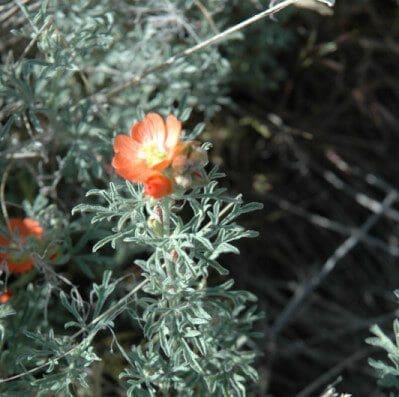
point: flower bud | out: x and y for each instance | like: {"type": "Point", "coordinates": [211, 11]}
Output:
{"type": "Point", "coordinates": [156, 226]}
{"type": "Point", "coordinates": [157, 186]}
{"type": "Point", "coordinates": [180, 164]}
{"type": "Point", "coordinates": [5, 297]}
{"type": "Point", "coordinates": [183, 181]}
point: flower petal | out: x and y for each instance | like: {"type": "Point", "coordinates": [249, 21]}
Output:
{"type": "Point", "coordinates": [126, 146]}
{"type": "Point", "coordinates": [32, 228]}
{"type": "Point", "coordinates": [25, 227]}
{"type": "Point", "coordinates": [20, 267]}
{"type": "Point", "coordinates": [135, 172]}
{"type": "Point", "coordinates": [162, 165]}
{"type": "Point", "coordinates": [173, 130]}
{"type": "Point", "coordinates": [150, 129]}
{"type": "Point", "coordinates": [126, 161]}
{"type": "Point", "coordinates": [16, 224]}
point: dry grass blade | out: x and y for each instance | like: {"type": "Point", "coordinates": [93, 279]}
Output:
{"type": "Point", "coordinates": [313, 282]}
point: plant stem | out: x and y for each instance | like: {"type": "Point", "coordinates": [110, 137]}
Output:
{"type": "Point", "coordinates": [166, 213]}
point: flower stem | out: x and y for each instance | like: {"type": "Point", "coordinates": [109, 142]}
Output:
{"type": "Point", "coordinates": [166, 215]}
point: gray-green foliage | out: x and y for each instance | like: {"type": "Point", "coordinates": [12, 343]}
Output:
{"type": "Point", "coordinates": [387, 371]}
{"type": "Point", "coordinates": [60, 62]}
{"type": "Point", "coordinates": [60, 362]}
{"type": "Point", "coordinates": [58, 98]}
{"type": "Point", "coordinates": [197, 337]}
{"type": "Point", "coordinates": [84, 47]}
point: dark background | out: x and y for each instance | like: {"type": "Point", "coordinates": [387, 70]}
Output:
{"type": "Point", "coordinates": [319, 150]}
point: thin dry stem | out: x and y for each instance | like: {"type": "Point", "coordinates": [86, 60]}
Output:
{"type": "Point", "coordinates": [109, 93]}
{"type": "Point", "coordinates": [207, 15]}
{"type": "Point", "coordinates": [341, 251]}
{"type": "Point", "coordinates": [2, 195]}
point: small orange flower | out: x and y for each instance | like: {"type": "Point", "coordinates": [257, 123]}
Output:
{"type": "Point", "coordinates": [157, 186]}
{"type": "Point", "coordinates": [150, 148]}
{"type": "Point", "coordinates": [154, 155]}
{"type": "Point", "coordinates": [21, 229]}
{"type": "Point", "coordinates": [5, 297]}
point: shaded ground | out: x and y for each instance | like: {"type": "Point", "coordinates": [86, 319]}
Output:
{"type": "Point", "coordinates": [321, 154]}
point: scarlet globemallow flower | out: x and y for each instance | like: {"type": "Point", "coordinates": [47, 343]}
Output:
{"type": "Point", "coordinates": [150, 149]}
{"type": "Point", "coordinates": [21, 229]}
{"type": "Point", "coordinates": [154, 155]}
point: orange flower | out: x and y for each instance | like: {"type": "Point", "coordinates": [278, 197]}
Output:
{"type": "Point", "coordinates": [157, 186]}
{"type": "Point", "coordinates": [5, 297]}
{"type": "Point", "coordinates": [21, 229]}
{"type": "Point", "coordinates": [150, 148]}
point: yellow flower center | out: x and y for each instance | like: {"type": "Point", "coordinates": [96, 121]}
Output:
{"type": "Point", "coordinates": [153, 155]}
